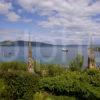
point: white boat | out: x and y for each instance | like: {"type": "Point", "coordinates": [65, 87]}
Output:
{"type": "Point", "coordinates": [65, 50]}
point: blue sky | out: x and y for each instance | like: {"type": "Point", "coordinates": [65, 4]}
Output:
{"type": "Point", "coordinates": [53, 21]}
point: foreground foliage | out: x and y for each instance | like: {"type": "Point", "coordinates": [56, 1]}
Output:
{"type": "Point", "coordinates": [51, 82]}
{"type": "Point", "coordinates": [46, 96]}
{"type": "Point", "coordinates": [78, 84]}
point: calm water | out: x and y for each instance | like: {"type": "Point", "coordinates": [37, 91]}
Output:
{"type": "Point", "coordinates": [46, 54]}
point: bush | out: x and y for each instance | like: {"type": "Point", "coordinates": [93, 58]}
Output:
{"type": "Point", "coordinates": [71, 83]}
{"type": "Point", "coordinates": [8, 66]}
{"type": "Point", "coordinates": [3, 90]}
{"type": "Point", "coordinates": [49, 69]}
{"type": "Point", "coordinates": [92, 72]}
{"type": "Point", "coordinates": [16, 83]}
{"type": "Point", "coordinates": [46, 96]}
{"type": "Point", "coordinates": [20, 85]}
{"type": "Point", "coordinates": [54, 70]}
{"type": "Point", "coordinates": [93, 77]}
{"type": "Point", "coordinates": [76, 64]}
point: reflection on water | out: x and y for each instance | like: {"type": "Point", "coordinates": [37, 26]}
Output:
{"type": "Point", "coordinates": [53, 54]}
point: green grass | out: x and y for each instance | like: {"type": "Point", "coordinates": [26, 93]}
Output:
{"type": "Point", "coordinates": [46, 96]}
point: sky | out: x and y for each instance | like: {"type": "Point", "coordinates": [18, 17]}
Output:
{"type": "Point", "coordinates": [51, 21]}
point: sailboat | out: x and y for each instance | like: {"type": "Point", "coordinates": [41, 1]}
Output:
{"type": "Point", "coordinates": [64, 50]}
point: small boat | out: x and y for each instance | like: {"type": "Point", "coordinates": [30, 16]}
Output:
{"type": "Point", "coordinates": [65, 50]}
{"type": "Point", "coordinates": [8, 54]}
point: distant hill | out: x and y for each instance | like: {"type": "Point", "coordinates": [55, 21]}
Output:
{"type": "Point", "coordinates": [23, 43]}
{"type": "Point", "coordinates": [34, 43]}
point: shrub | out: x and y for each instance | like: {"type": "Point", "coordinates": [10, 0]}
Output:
{"type": "Point", "coordinates": [46, 96]}
{"type": "Point", "coordinates": [49, 69]}
{"type": "Point", "coordinates": [92, 72]}
{"type": "Point", "coordinates": [16, 83]}
{"type": "Point", "coordinates": [21, 85]}
{"type": "Point", "coordinates": [71, 83]}
{"type": "Point", "coordinates": [3, 90]}
{"type": "Point", "coordinates": [41, 69]}
{"type": "Point", "coordinates": [76, 64]}
{"type": "Point", "coordinates": [54, 70]}
{"type": "Point", "coordinates": [93, 77]}
{"type": "Point", "coordinates": [8, 66]}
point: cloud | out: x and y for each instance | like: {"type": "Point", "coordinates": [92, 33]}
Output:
{"type": "Point", "coordinates": [15, 34]}
{"type": "Point", "coordinates": [5, 7]}
{"type": "Point", "coordinates": [7, 10]}
{"type": "Point", "coordinates": [13, 17]}
{"type": "Point", "coordinates": [9, 31]}
{"type": "Point", "coordinates": [73, 15]}
{"type": "Point", "coordinates": [26, 20]}
{"type": "Point", "coordinates": [10, 34]}
{"type": "Point", "coordinates": [71, 20]}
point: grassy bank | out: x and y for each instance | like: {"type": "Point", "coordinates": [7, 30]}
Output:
{"type": "Point", "coordinates": [51, 82]}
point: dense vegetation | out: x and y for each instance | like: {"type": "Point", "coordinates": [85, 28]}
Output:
{"type": "Point", "coordinates": [51, 82]}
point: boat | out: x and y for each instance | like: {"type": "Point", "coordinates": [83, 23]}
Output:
{"type": "Point", "coordinates": [8, 54]}
{"type": "Point", "coordinates": [65, 50]}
